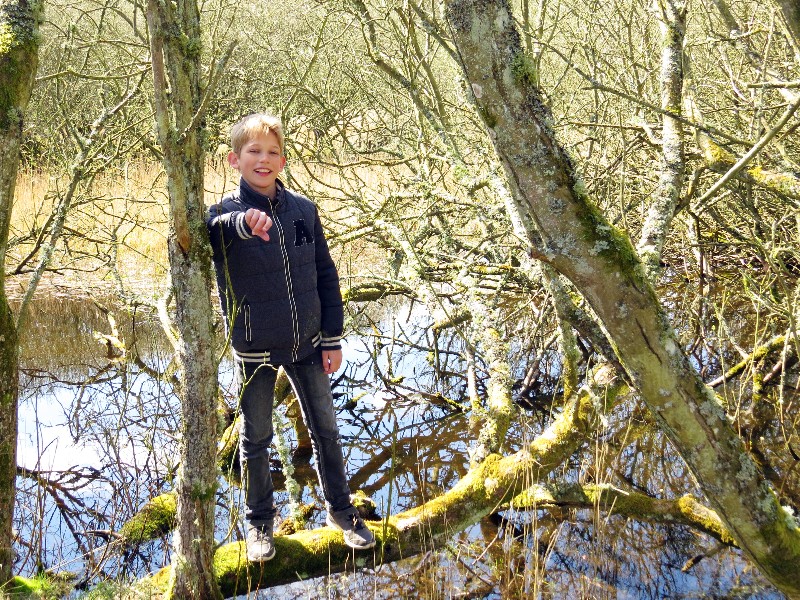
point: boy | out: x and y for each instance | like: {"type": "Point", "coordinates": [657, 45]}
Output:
{"type": "Point", "coordinates": [280, 293]}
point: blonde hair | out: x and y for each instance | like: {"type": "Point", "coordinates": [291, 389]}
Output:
{"type": "Point", "coordinates": [251, 125]}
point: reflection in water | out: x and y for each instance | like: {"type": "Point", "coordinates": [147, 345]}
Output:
{"type": "Point", "coordinates": [97, 440]}
{"type": "Point", "coordinates": [95, 436]}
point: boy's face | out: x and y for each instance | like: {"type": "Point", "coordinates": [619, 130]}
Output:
{"type": "Point", "coordinates": [260, 162]}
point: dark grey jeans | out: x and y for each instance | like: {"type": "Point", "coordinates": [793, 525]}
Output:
{"type": "Point", "coordinates": [313, 389]}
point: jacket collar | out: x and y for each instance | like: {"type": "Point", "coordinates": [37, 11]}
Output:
{"type": "Point", "coordinates": [259, 200]}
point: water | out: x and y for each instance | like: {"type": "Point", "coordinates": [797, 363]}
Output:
{"type": "Point", "coordinates": [99, 429]}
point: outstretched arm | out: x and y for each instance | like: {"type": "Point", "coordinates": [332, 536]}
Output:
{"type": "Point", "coordinates": [243, 225]}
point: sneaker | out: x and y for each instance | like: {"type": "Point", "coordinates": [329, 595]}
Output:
{"type": "Point", "coordinates": [260, 546]}
{"type": "Point", "coordinates": [349, 522]}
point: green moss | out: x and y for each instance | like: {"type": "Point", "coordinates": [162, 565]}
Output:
{"type": "Point", "coordinates": [464, 504]}
{"type": "Point", "coordinates": [6, 38]}
{"type": "Point", "coordinates": [202, 492]}
{"type": "Point", "coordinates": [20, 25]}
{"type": "Point", "coordinates": [609, 242]}
{"type": "Point", "coordinates": [156, 518]}
{"type": "Point", "coordinates": [228, 453]}
{"type": "Point", "coordinates": [19, 41]}
{"type": "Point", "coordinates": [781, 183]}
{"type": "Point", "coordinates": [524, 70]}
{"type": "Point", "coordinates": [364, 504]}
{"type": "Point", "coordinates": [457, 318]}
{"type": "Point", "coordinates": [156, 584]}
{"type": "Point", "coordinates": [758, 354]}
{"type": "Point", "coordinates": [314, 550]}
{"type": "Point", "coordinates": [42, 587]}
{"type": "Point", "coordinates": [715, 155]}
{"type": "Point", "coordinates": [636, 505]}
{"type": "Point", "coordinates": [192, 47]}
{"type": "Point", "coordinates": [704, 518]}
{"type": "Point", "coordinates": [758, 387]}
{"type": "Point", "coordinates": [783, 560]}
{"type": "Point", "coordinates": [23, 586]}
{"type": "Point", "coordinates": [369, 292]}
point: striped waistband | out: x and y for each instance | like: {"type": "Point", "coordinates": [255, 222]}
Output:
{"type": "Point", "coordinates": [264, 356]}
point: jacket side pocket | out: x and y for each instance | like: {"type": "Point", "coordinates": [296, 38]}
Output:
{"type": "Point", "coordinates": [248, 330]}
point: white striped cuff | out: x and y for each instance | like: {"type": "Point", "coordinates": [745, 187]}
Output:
{"type": "Point", "coordinates": [332, 342]}
{"type": "Point", "coordinates": [241, 227]}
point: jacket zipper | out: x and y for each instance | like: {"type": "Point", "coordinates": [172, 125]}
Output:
{"type": "Point", "coordinates": [288, 275]}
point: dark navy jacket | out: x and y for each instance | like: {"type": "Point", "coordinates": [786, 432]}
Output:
{"type": "Point", "coordinates": [281, 298]}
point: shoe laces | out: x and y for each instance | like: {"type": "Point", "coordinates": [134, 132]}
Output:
{"type": "Point", "coordinates": [356, 520]}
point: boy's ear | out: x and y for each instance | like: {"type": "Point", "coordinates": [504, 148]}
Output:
{"type": "Point", "coordinates": [233, 160]}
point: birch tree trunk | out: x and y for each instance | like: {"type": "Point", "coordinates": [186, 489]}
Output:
{"type": "Point", "coordinates": [672, 16]}
{"type": "Point", "coordinates": [551, 204]}
{"type": "Point", "coordinates": [19, 47]}
{"type": "Point", "coordinates": [175, 47]}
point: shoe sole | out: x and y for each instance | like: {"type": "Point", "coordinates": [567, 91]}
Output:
{"type": "Point", "coordinates": [332, 523]}
{"type": "Point", "coordinates": [261, 559]}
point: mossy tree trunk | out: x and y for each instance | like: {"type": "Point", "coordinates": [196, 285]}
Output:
{"type": "Point", "coordinates": [175, 47]}
{"type": "Point", "coordinates": [19, 47]}
{"type": "Point", "coordinates": [553, 207]}
{"type": "Point", "coordinates": [686, 510]}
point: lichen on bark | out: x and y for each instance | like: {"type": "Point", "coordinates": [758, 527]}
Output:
{"type": "Point", "coordinates": [19, 41]}
{"type": "Point", "coordinates": [178, 93]}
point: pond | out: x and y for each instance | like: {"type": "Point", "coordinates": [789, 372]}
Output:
{"type": "Point", "coordinates": [97, 440]}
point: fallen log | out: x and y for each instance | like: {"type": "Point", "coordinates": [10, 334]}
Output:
{"type": "Point", "coordinates": [485, 487]}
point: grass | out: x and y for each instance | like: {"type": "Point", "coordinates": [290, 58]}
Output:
{"type": "Point", "coordinates": [119, 220]}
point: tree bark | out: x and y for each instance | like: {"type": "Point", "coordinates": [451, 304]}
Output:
{"type": "Point", "coordinates": [791, 15]}
{"type": "Point", "coordinates": [175, 48]}
{"type": "Point", "coordinates": [552, 204]}
{"type": "Point", "coordinates": [670, 182]}
{"type": "Point", "coordinates": [19, 52]}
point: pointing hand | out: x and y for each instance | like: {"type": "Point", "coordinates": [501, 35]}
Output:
{"type": "Point", "coordinates": [259, 222]}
